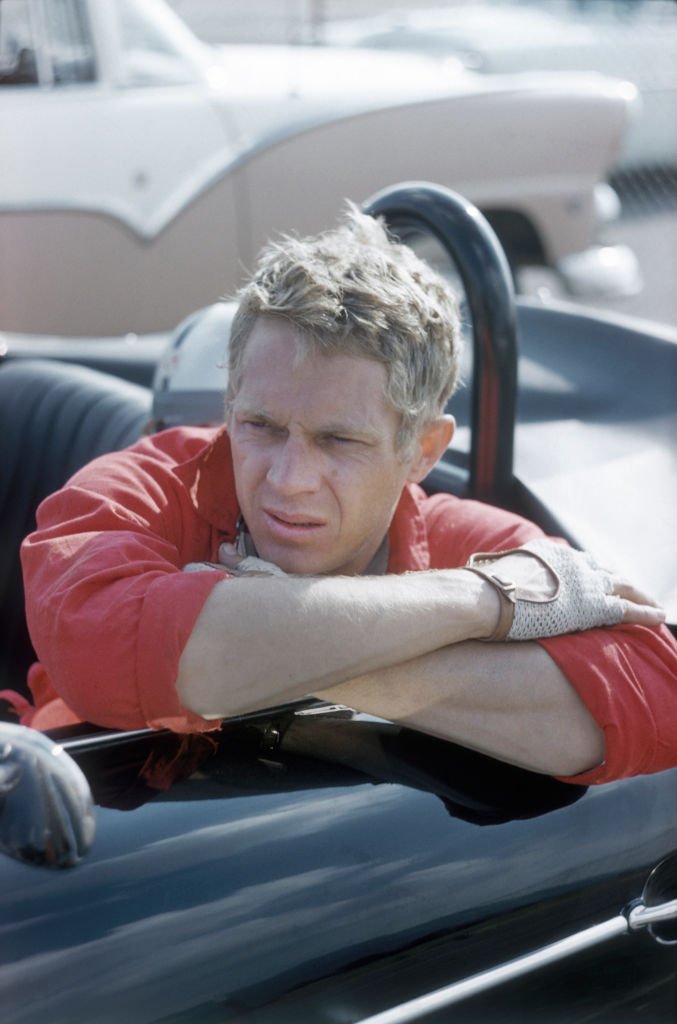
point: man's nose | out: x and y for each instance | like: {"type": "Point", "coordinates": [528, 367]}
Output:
{"type": "Point", "coordinates": [295, 468]}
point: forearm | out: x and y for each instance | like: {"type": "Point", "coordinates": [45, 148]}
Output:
{"type": "Point", "coordinates": [509, 701]}
{"type": "Point", "coordinates": [262, 640]}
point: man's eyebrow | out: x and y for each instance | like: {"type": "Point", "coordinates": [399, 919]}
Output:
{"type": "Point", "coordinates": [255, 411]}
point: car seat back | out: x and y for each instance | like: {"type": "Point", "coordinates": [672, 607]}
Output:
{"type": "Point", "coordinates": [54, 417]}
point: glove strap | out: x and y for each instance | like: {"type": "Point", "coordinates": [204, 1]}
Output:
{"type": "Point", "coordinates": [507, 590]}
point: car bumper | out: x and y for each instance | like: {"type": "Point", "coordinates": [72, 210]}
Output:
{"type": "Point", "coordinates": [601, 270]}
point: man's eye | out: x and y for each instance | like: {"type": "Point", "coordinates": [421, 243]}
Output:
{"type": "Point", "coordinates": [340, 439]}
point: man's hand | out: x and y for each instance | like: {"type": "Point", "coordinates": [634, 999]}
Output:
{"type": "Point", "coordinates": [371, 641]}
{"type": "Point", "coordinates": [551, 589]}
{"type": "Point", "coordinates": [248, 565]}
{"type": "Point", "coordinates": [237, 564]}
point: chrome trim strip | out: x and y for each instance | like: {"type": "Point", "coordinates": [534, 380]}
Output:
{"type": "Point", "coordinates": [642, 916]}
{"type": "Point", "coordinates": [114, 736]}
{"type": "Point", "coordinates": [106, 739]}
{"type": "Point", "coordinates": [413, 1009]}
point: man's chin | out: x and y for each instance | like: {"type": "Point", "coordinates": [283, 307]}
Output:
{"type": "Point", "coordinates": [304, 567]}
{"type": "Point", "coordinates": [296, 563]}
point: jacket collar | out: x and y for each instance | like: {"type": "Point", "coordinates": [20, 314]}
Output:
{"type": "Point", "coordinates": [208, 478]}
{"type": "Point", "coordinates": [408, 536]}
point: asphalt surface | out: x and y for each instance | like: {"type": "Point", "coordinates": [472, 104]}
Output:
{"type": "Point", "coordinates": [653, 238]}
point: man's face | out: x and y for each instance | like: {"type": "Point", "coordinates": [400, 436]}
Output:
{"type": "Point", "coordinates": [317, 472]}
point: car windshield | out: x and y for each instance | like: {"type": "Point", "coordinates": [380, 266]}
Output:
{"type": "Point", "coordinates": [17, 51]}
{"type": "Point", "coordinates": [47, 44]}
{"type": "Point", "coordinates": [154, 50]}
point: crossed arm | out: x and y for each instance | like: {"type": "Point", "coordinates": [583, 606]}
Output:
{"type": "Point", "coordinates": [401, 647]}
{"type": "Point", "coordinates": [509, 701]}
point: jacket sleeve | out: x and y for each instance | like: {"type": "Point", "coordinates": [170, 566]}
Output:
{"type": "Point", "coordinates": [627, 678]}
{"type": "Point", "coordinates": [108, 608]}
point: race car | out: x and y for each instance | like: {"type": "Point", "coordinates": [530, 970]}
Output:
{"type": "Point", "coordinates": [309, 863]}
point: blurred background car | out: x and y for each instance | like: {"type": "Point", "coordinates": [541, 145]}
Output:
{"type": "Point", "coordinates": [143, 169]}
{"type": "Point", "coordinates": [620, 39]}
{"type": "Point", "coordinates": [635, 38]}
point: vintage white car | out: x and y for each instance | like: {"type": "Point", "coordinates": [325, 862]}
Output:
{"type": "Point", "coordinates": [142, 170]}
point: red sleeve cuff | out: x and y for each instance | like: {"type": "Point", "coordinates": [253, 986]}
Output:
{"type": "Point", "coordinates": [625, 676]}
{"type": "Point", "coordinates": [170, 609]}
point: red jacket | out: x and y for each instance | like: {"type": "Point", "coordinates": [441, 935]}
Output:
{"type": "Point", "coordinates": [110, 610]}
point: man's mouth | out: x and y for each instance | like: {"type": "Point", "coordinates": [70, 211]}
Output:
{"type": "Point", "coordinates": [284, 521]}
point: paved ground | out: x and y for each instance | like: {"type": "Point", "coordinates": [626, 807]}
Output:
{"type": "Point", "coordinates": [653, 238]}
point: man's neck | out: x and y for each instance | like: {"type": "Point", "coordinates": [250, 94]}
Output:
{"type": "Point", "coordinates": [377, 566]}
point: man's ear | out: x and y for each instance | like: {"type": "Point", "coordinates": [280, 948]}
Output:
{"type": "Point", "coordinates": [432, 442]}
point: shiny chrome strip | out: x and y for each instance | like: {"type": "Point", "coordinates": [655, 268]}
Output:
{"type": "Point", "coordinates": [454, 993]}
{"type": "Point", "coordinates": [113, 737]}
{"type": "Point", "coordinates": [642, 916]}
{"type": "Point", "coordinates": [101, 739]}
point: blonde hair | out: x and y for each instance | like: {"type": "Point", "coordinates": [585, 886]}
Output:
{"type": "Point", "coordinates": [355, 290]}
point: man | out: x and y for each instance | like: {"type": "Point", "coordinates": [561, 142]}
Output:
{"type": "Point", "coordinates": [206, 573]}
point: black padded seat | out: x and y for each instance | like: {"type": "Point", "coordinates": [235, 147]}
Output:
{"type": "Point", "coordinates": [54, 418]}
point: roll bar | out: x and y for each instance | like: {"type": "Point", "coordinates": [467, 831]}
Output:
{"type": "Point", "coordinates": [472, 244]}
